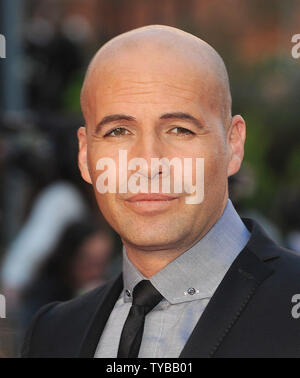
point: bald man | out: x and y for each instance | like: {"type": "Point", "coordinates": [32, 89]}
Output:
{"type": "Point", "coordinates": [197, 280]}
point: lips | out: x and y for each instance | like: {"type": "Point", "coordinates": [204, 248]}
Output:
{"type": "Point", "coordinates": [150, 204]}
{"type": "Point", "coordinates": [151, 197]}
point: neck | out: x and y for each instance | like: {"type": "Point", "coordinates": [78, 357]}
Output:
{"type": "Point", "coordinates": [149, 262]}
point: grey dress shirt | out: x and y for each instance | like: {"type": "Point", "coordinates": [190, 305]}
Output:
{"type": "Point", "coordinates": [187, 284]}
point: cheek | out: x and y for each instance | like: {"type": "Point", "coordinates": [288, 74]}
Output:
{"type": "Point", "coordinates": [105, 201]}
{"type": "Point", "coordinates": [109, 208]}
{"type": "Point", "coordinates": [96, 152]}
{"type": "Point", "coordinates": [215, 164]}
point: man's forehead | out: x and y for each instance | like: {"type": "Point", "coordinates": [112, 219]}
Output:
{"type": "Point", "coordinates": [148, 100]}
{"type": "Point", "coordinates": [150, 79]}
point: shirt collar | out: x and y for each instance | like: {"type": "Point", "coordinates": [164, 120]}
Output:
{"type": "Point", "coordinates": [196, 273]}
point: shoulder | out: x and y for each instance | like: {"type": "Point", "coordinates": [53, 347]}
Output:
{"type": "Point", "coordinates": [61, 321]}
{"type": "Point", "coordinates": [286, 269]}
{"type": "Point", "coordinates": [284, 263]}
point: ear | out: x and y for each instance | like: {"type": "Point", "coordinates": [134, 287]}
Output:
{"type": "Point", "coordinates": [236, 141]}
{"type": "Point", "coordinates": [82, 155]}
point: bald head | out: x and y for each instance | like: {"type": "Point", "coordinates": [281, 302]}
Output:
{"type": "Point", "coordinates": [163, 51]}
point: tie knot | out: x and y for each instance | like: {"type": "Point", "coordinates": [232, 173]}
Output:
{"type": "Point", "coordinates": [145, 295]}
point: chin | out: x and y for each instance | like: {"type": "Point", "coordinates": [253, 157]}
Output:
{"type": "Point", "coordinates": [155, 239]}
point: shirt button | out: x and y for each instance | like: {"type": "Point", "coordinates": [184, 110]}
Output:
{"type": "Point", "coordinates": [191, 291]}
{"type": "Point", "coordinates": [128, 293]}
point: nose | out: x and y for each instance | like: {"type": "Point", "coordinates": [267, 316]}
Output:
{"type": "Point", "coordinates": [147, 147]}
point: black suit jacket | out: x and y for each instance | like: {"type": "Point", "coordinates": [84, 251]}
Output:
{"type": "Point", "coordinates": [250, 314]}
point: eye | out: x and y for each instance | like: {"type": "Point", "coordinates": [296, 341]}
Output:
{"type": "Point", "coordinates": [119, 131]}
{"type": "Point", "coordinates": [181, 131]}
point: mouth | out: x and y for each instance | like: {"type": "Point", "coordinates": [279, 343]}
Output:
{"type": "Point", "coordinates": [150, 204]}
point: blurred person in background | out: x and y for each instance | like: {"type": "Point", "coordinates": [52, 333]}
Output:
{"type": "Point", "coordinates": [79, 262]}
{"type": "Point", "coordinates": [46, 163]}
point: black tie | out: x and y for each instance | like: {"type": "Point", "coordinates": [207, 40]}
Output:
{"type": "Point", "coordinates": [144, 298]}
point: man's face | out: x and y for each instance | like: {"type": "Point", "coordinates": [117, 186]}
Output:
{"type": "Point", "coordinates": [153, 97]}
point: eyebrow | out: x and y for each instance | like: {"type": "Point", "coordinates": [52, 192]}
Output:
{"type": "Point", "coordinates": [113, 118]}
{"type": "Point", "coordinates": [182, 116]}
{"type": "Point", "coordinates": [167, 116]}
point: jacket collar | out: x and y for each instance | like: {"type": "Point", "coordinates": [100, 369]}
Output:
{"type": "Point", "coordinates": [260, 243]}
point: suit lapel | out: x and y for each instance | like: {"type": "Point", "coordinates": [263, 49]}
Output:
{"type": "Point", "coordinates": [102, 313]}
{"type": "Point", "coordinates": [227, 304]}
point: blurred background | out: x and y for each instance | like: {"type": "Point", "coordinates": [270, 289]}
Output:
{"type": "Point", "coordinates": [54, 243]}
